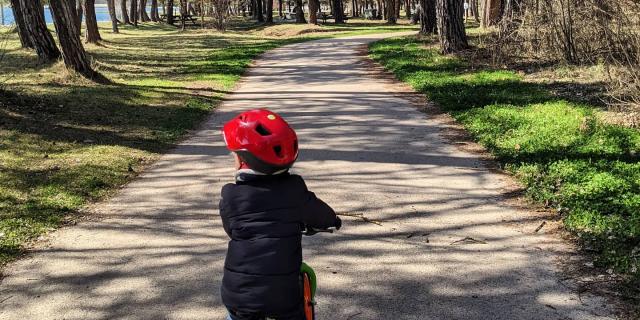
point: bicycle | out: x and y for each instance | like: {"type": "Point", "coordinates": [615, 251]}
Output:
{"type": "Point", "coordinates": [309, 280]}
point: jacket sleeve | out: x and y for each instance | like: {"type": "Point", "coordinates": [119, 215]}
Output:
{"type": "Point", "coordinates": [316, 213]}
{"type": "Point", "coordinates": [222, 206]}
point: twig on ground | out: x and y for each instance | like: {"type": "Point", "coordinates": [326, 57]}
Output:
{"type": "Point", "coordinates": [362, 217]}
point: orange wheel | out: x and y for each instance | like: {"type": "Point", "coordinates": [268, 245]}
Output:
{"type": "Point", "coordinates": [309, 311]}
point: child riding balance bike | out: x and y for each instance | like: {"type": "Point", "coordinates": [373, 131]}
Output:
{"type": "Point", "coordinates": [265, 212]}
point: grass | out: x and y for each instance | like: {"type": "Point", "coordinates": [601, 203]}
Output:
{"type": "Point", "coordinates": [65, 141]}
{"type": "Point", "coordinates": [557, 147]}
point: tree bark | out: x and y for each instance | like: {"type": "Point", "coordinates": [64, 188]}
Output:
{"type": "Point", "coordinates": [18, 16]}
{"type": "Point", "coordinates": [492, 12]}
{"type": "Point", "coordinates": [397, 9]}
{"type": "Point", "coordinates": [91, 33]}
{"type": "Point", "coordinates": [123, 11]}
{"type": "Point", "coordinates": [338, 11]}
{"type": "Point", "coordinates": [280, 14]}
{"type": "Point", "coordinates": [407, 5]}
{"type": "Point", "coordinates": [73, 54]}
{"type": "Point", "coordinates": [142, 11]}
{"type": "Point", "coordinates": [111, 5]}
{"type": "Point", "coordinates": [314, 6]}
{"type": "Point", "coordinates": [450, 20]}
{"type": "Point", "coordinates": [474, 10]}
{"type": "Point", "coordinates": [259, 11]}
{"type": "Point", "coordinates": [299, 12]}
{"type": "Point", "coordinates": [155, 17]}
{"type": "Point", "coordinates": [169, 13]}
{"type": "Point", "coordinates": [269, 11]}
{"type": "Point", "coordinates": [133, 12]}
{"type": "Point", "coordinates": [37, 31]}
{"type": "Point", "coordinates": [391, 11]}
{"type": "Point", "coordinates": [428, 23]}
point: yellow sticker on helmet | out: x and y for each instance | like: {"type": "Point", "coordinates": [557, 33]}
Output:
{"type": "Point", "coordinates": [271, 117]}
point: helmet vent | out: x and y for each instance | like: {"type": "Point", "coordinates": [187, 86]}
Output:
{"type": "Point", "coordinates": [278, 151]}
{"type": "Point", "coordinates": [262, 130]}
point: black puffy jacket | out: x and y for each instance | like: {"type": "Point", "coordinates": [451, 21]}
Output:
{"type": "Point", "coordinates": [263, 216]}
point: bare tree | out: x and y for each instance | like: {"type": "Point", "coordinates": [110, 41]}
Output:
{"type": "Point", "coordinates": [73, 53]}
{"type": "Point", "coordinates": [269, 10]}
{"type": "Point", "coordinates": [91, 33]}
{"type": "Point", "coordinates": [450, 20]}
{"type": "Point", "coordinates": [299, 11]}
{"type": "Point", "coordinates": [37, 31]}
{"type": "Point", "coordinates": [338, 11]}
{"type": "Point", "coordinates": [142, 11]}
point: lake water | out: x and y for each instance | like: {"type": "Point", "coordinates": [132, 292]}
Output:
{"type": "Point", "coordinates": [102, 14]}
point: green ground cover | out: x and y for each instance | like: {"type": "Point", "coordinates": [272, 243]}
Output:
{"type": "Point", "coordinates": [564, 156]}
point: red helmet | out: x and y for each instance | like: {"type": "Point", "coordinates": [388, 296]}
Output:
{"type": "Point", "coordinates": [263, 140]}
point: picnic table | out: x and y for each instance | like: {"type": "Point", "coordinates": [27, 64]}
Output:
{"type": "Point", "coordinates": [324, 16]}
{"type": "Point", "coordinates": [182, 18]}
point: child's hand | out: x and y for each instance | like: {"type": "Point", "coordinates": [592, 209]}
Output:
{"type": "Point", "coordinates": [338, 223]}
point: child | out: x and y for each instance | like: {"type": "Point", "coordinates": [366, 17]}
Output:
{"type": "Point", "coordinates": [264, 213]}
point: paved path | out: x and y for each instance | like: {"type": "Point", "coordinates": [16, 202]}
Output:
{"type": "Point", "coordinates": [159, 251]}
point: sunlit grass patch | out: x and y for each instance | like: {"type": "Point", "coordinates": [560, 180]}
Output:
{"type": "Point", "coordinates": [566, 158]}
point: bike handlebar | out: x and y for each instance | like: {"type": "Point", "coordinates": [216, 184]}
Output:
{"type": "Point", "coordinates": [309, 231]}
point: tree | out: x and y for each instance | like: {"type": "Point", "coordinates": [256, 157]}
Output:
{"type": "Point", "coordinates": [492, 12]}
{"type": "Point", "coordinates": [428, 23]}
{"type": "Point", "coordinates": [449, 16]}
{"type": "Point", "coordinates": [37, 31]}
{"type": "Point", "coordinates": [391, 12]}
{"type": "Point", "coordinates": [111, 5]}
{"type": "Point", "coordinates": [142, 11]}
{"type": "Point", "coordinates": [474, 10]}
{"type": "Point", "coordinates": [169, 8]}
{"type": "Point", "coordinates": [314, 6]}
{"type": "Point", "coordinates": [78, 17]}
{"type": "Point", "coordinates": [155, 17]}
{"type": "Point", "coordinates": [91, 33]}
{"type": "Point", "coordinates": [299, 12]}
{"type": "Point", "coordinates": [269, 19]}
{"type": "Point", "coordinates": [123, 11]}
{"type": "Point", "coordinates": [338, 11]}
{"type": "Point", "coordinates": [133, 12]}
{"type": "Point", "coordinates": [73, 53]}
{"type": "Point", "coordinates": [257, 10]}
{"type": "Point", "coordinates": [25, 41]}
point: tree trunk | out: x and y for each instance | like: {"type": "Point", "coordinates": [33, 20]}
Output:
{"type": "Point", "coordinates": [133, 12]}
{"type": "Point", "coordinates": [142, 10]}
{"type": "Point", "coordinates": [397, 10]}
{"type": "Point", "coordinates": [338, 11]}
{"type": "Point", "coordinates": [492, 12]}
{"type": "Point", "coordinates": [474, 10]}
{"type": "Point", "coordinates": [91, 33]}
{"type": "Point", "coordinates": [407, 9]}
{"type": "Point", "coordinates": [314, 6]}
{"type": "Point", "coordinates": [269, 11]}
{"type": "Point", "coordinates": [73, 54]}
{"type": "Point", "coordinates": [391, 11]}
{"type": "Point", "coordinates": [280, 14]}
{"type": "Point", "coordinates": [450, 20]}
{"type": "Point", "coordinates": [169, 13]}
{"type": "Point", "coordinates": [155, 17]}
{"type": "Point", "coordinates": [259, 11]}
{"type": "Point", "coordinates": [111, 5]}
{"type": "Point", "coordinates": [183, 12]}
{"type": "Point", "coordinates": [37, 30]}
{"type": "Point", "coordinates": [123, 10]}
{"type": "Point", "coordinates": [18, 17]}
{"type": "Point", "coordinates": [299, 12]}
{"type": "Point", "coordinates": [428, 23]}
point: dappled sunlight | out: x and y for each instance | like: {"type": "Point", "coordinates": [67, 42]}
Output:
{"type": "Point", "coordinates": [428, 233]}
